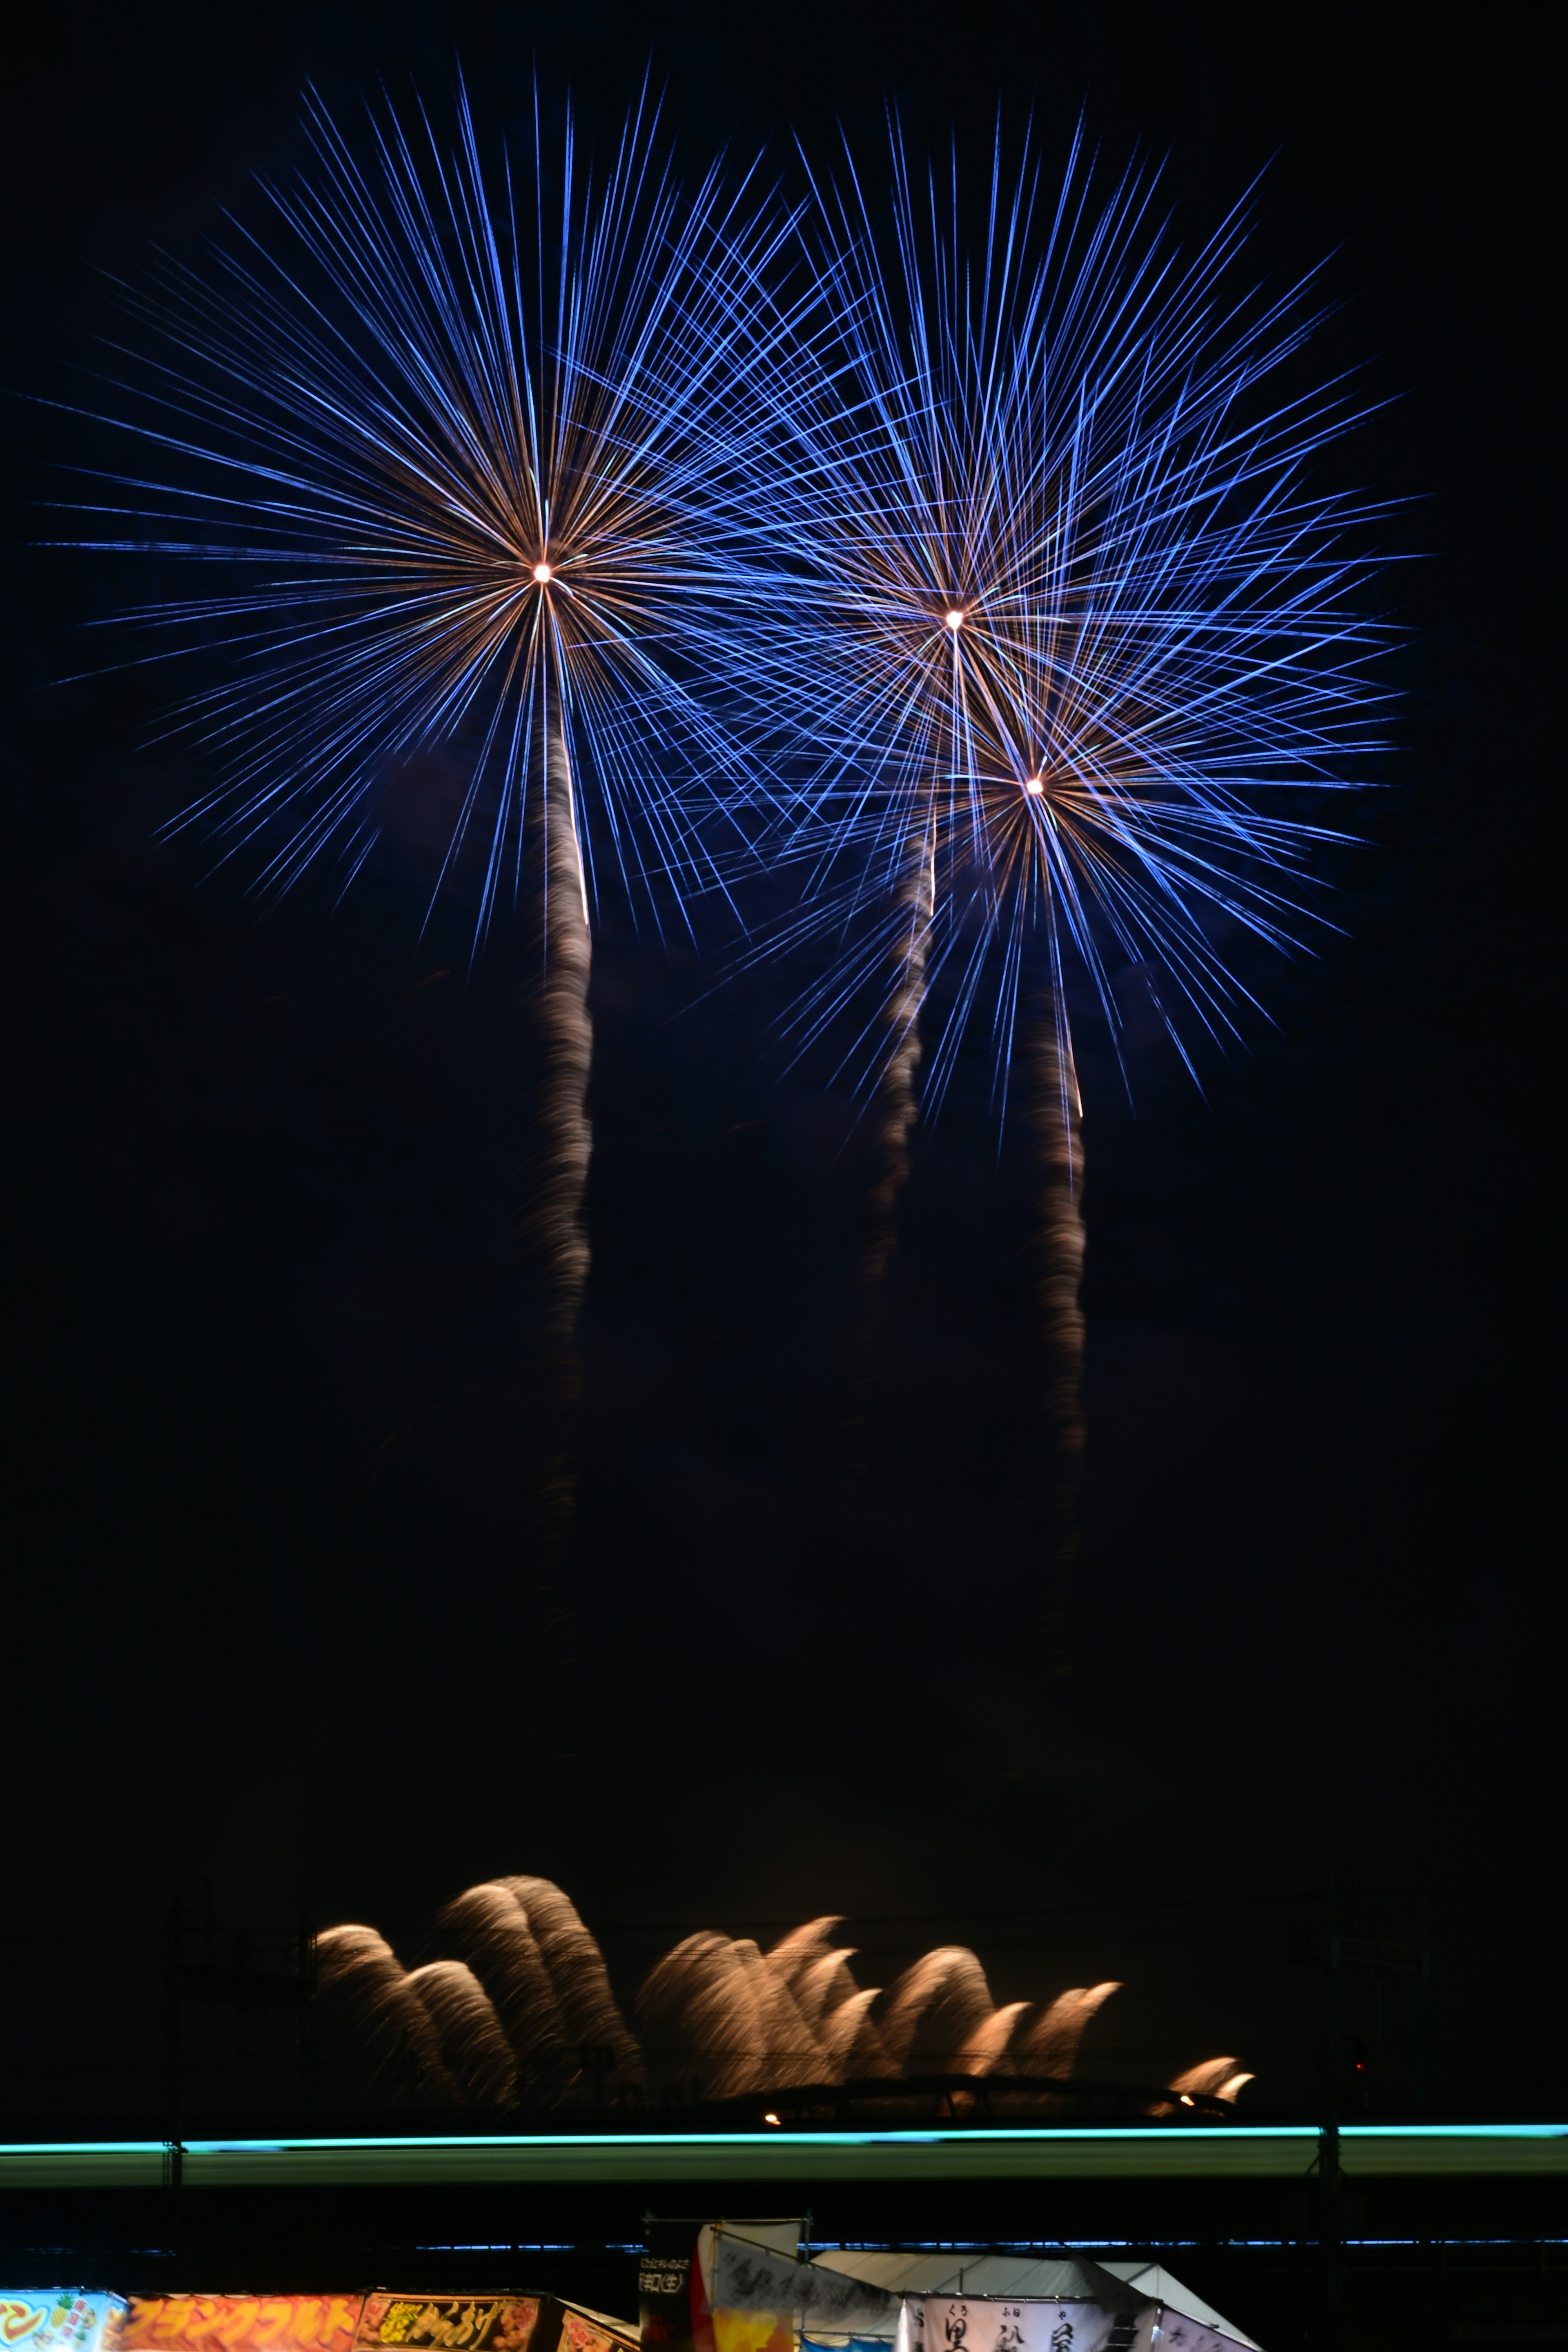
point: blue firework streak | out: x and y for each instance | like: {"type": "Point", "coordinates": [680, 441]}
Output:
{"type": "Point", "coordinates": [440, 453]}
{"type": "Point", "coordinates": [1064, 643]}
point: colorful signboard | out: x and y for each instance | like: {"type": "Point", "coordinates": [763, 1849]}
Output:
{"type": "Point", "coordinates": [241, 2322]}
{"type": "Point", "coordinates": [61, 2319]}
{"type": "Point", "coordinates": [448, 2323]}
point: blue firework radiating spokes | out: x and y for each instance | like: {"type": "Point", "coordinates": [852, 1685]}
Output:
{"type": "Point", "coordinates": [1048, 607]}
{"type": "Point", "coordinates": [432, 429]}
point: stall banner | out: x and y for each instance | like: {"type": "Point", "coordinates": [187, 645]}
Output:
{"type": "Point", "coordinates": [1188, 2335]}
{"type": "Point", "coordinates": [941, 2323]}
{"type": "Point", "coordinates": [935, 2323]}
{"type": "Point", "coordinates": [241, 2322]}
{"type": "Point", "coordinates": [761, 2298]}
{"type": "Point", "coordinates": [751, 2289]}
{"type": "Point", "coordinates": [449, 2323]}
{"type": "Point", "coordinates": [61, 2319]}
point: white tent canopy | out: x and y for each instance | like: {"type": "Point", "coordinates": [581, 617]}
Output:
{"type": "Point", "coordinates": [1029, 2277]}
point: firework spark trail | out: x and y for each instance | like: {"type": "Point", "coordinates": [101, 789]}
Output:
{"type": "Point", "coordinates": [1050, 2045]}
{"type": "Point", "coordinates": [1215, 2078]}
{"type": "Point", "coordinates": [529, 1997]}
{"type": "Point", "coordinates": [494, 1935]}
{"type": "Point", "coordinates": [359, 1971]}
{"type": "Point", "coordinates": [578, 1973]}
{"type": "Point", "coordinates": [520, 2014]}
{"type": "Point", "coordinates": [475, 2049]}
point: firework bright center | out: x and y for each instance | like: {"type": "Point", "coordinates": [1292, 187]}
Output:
{"type": "Point", "coordinates": [1033, 783]}
{"type": "Point", "coordinates": [543, 574]}
{"type": "Point", "coordinates": [955, 619]}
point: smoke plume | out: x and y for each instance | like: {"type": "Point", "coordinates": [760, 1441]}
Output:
{"type": "Point", "coordinates": [1060, 1252]}
{"type": "Point", "coordinates": [895, 1111]}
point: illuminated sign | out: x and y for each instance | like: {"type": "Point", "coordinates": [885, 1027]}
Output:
{"type": "Point", "coordinates": [448, 2323]}
{"type": "Point", "coordinates": [61, 2319]}
{"type": "Point", "coordinates": [241, 2322]}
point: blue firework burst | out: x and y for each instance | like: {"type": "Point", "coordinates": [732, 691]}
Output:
{"type": "Point", "coordinates": [429, 434]}
{"type": "Point", "coordinates": [1064, 643]}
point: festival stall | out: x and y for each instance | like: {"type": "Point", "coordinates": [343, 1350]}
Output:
{"type": "Point", "coordinates": [739, 2288]}
{"type": "Point", "coordinates": [723, 2288]}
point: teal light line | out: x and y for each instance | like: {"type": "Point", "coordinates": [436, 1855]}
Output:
{"type": "Point", "coordinates": [1189, 2134]}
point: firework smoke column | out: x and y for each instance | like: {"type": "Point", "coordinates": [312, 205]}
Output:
{"type": "Point", "coordinates": [897, 1105]}
{"type": "Point", "coordinates": [897, 1109]}
{"type": "Point", "coordinates": [1058, 1281]}
{"type": "Point", "coordinates": [557, 1220]}
{"type": "Point", "coordinates": [568, 1045]}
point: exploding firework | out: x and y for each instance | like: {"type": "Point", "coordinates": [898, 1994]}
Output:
{"type": "Point", "coordinates": [1053, 616]}
{"type": "Point", "coordinates": [431, 429]}
{"type": "Point", "coordinates": [525, 2016]}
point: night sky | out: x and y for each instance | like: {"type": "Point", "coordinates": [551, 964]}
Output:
{"type": "Point", "coordinates": [277, 1615]}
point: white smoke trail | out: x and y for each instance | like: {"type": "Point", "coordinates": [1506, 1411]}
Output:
{"type": "Point", "coordinates": [557, 1218]}
{"type": "Point", "coordinates": [896, 1102]}
{"type": "Point", "coordinates": [897, 1108]}
{"type": "Point", "coordinates": [568, 1042]}
{"type": "Point", "coordinates": [1059, 1259]}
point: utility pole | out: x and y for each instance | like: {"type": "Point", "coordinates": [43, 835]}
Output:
{"type": "Point", "coordinates": [1423, 2006]}
{"type": "Point", "coordinates": [306, 1996]}
{"type": "Point", "coordinates": [1334, 1953]}
{"type": "Point", "coordinates": [234, 1982]}
{"type": "Point", "coordinates": [173, 2150]}
{"type": "Point", "coordinates": [1329, 2234]}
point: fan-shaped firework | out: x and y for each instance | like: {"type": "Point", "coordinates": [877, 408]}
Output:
{"type": "Point", "coordinates": [1057, 628]}
{"type": "Point", "coordinates": [528, 2017]}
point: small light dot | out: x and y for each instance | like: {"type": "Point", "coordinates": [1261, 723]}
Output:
{"type": "Point", "coordinates": [542, 574]}
{"type": "Point", "coordinates": [1033, 783]}
{"type": "Point", "coordinates": [954, 620]}
{"type": "Point", "coordinates": [770, 2118]}
{"type": "Point", "coordinates": [1187, 2099]}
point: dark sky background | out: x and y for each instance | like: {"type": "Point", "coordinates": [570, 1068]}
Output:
{"type": "Point", "coordinates": [276, 1611]}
